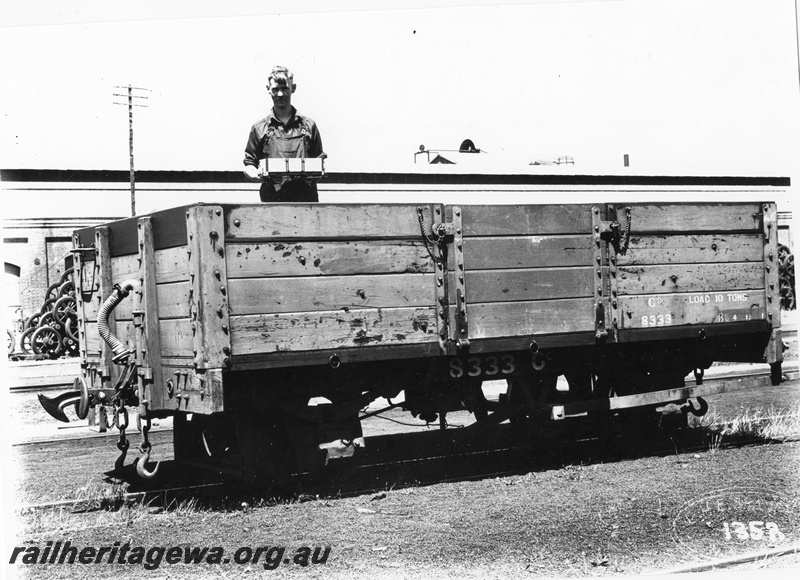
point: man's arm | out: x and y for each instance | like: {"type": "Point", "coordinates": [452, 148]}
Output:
{"type": "Point", "coordinates": [315, 145]}
{"type": "Point", "coordinates": [251, 158]}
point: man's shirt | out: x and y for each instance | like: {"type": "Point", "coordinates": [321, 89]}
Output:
{"type": "Point", "coordinates": [271, 138]}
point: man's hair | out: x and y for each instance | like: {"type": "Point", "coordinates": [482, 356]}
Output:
{"type": "Point", "coordinates": [282, 76]}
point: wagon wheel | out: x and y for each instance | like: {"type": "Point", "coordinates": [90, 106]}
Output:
{"type": "Point", "coordinates": [787, 295]}
{"type": "Point", "coordinates": [67, 289]}
{"type": "Point", "coordinates": [67, 275]}
{"type": "Point", "coordinates": [12, 343]}
{"type": "Point", "coordinates": [69, 327]}
{"type": "Point", "coordinates": [48, 305]}
{"type": "Point", "coordinates": [46, 340]}
{"type": "Point", "coordinates": [33, 320]}
{"type": "Point", "coordinates": [65, 307]}
{"type": "Point", "coordinates": [52, 291]}
{"type": "Point", "coordinates": [786, 274]}
{"type": "Point", "coordinates": [25, 340]}
{"type": "Point", "coordinates": [47, 319]}
{"type": "Point", "coordinates": [526, 392]}
{"type": "Point", "coordinates": [270, 442]}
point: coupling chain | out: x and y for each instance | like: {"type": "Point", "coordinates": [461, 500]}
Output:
{"type": "Point", "coordinates": [618, 240]}
{"type": "Point", "coordinates": [429, 239]}
{"type": "Point", "coordinates": [627, 238]}
{"type": "Point", "coordinates": [145, 446]}
{"type": "Point", "coordinates": [121, 421]}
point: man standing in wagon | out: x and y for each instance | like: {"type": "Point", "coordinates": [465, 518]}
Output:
{"type": "Point", "coordinates": [282, 134]}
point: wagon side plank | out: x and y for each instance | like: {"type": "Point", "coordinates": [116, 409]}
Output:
{"type": "Point", "coordinates": [500, 320]}
{"type": "Point", "coordinates": [689, 278]}
{"type": "Point", "coordinates": [304, 331]}
{"type": "Point", "coordinates": [663, 310]}
{"type": "Point", "coordinates": [529, 284]}
{"type": "Point", "coordinates": [273, 295]}
{"type": "Point", "coordinates": [489, 253]}
{"type": "Point", "coordinates": [277, 259]}
{"type": "Point", "coordinates": [493, 220]}
{"type": "Point", "coordinates": [679, 249]}
{"type": "Point", "coordinates": [312, 221]}
{"type": "Point", "coordinates": [695, 217]}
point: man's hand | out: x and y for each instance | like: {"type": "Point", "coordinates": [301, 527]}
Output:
{"type": "Point", "coordinates": [252, 173]}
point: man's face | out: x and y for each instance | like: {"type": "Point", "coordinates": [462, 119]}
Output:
{"type": "Point", "coordinates": [281, 93]}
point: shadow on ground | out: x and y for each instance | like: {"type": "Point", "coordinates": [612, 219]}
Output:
{"type": "Point", "coordinates": [426, 458]}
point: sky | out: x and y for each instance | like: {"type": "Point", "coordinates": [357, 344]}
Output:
{"type": "Point", "coordinates": [684, 87]}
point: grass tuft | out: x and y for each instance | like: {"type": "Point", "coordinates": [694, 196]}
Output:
{"type": "Point", "coordinates": [767, 423]}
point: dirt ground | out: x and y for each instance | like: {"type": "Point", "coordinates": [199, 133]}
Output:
{"type": "Point", "coordinates": [586, 508]}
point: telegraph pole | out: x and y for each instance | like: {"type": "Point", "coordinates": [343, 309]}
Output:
{"type": "Point", "coordinates": [130, 103]}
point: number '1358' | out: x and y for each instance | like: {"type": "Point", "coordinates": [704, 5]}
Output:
{"type": "Point", "coordinates": [755, 530]}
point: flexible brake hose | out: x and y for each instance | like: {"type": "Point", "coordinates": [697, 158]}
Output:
{"type": "Point", "coordinates": [121, 353]}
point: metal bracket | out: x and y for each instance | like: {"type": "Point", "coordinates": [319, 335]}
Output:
{"type": "Point", "coordinates": [461, 337]}
{"type": "Point", "coordinates": [443, 229]}
{"type": "Point", "coordinates": [600, 275]}
{"type": "Point", "coordinates": [439, 252]}
{"type": "Point", "coordinates": [611, 282]}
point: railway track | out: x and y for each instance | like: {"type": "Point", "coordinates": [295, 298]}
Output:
{"type": "Point", "coordinates": [412, 458]}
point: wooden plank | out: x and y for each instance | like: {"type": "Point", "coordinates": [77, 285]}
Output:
{"type": "Point", "coordinates": [345, 356]}
{"type": "Point", "coordinates": [153, 387]}
{"type": "Point", "coordinates": [38, 374]}
{"type": "Point", "coordinates": [493, 252]}
{"type": "Point", "coordinates": [324, 221]}
{"type": "Point", "coordinates": [171, 265]}
{"type": "Point", "coordinates": [774, 350]}
{"type": "Point", "coordinates": [206, 233]}
{"type": "Point", "coordinates": [265, 333]}
{"type": "Point", "coordinates": [173, 302]}
{"type": "Point", "coordinates": [271, 295]}
{"type": "Point", "coordinates": [664, 310]}
{"type": "Point", "coordinates": [175, 336]}
{"type": "Point", "coordinates": [689, 278]}
{"type": "Point", "coordinates": [675, 249]}
{"type": "Point", "coordinates": [496, 320]}
{"type": "Point", "coordinates": [516, 220]}
{"type": "Point", "coordinates": [533, 284]}
{"type": "Point", "coordinates": [271, 259]}
{"type": "Point", "coordinates": [695, 217]}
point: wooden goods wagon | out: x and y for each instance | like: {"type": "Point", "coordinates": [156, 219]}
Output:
{"type": "Point", "coordinates": [239, 315]}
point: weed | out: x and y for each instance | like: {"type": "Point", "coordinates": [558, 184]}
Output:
{"type": "Point", "coordinates": [767, 423]}
{"type": "Point", "coordinates": [716, 442]}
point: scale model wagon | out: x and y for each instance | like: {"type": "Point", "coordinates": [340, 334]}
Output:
{"type": "Point", "coordinates": [232, 318]}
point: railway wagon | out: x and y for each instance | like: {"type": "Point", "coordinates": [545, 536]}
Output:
{"type": "Point", "coordinates": [266, 329]}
